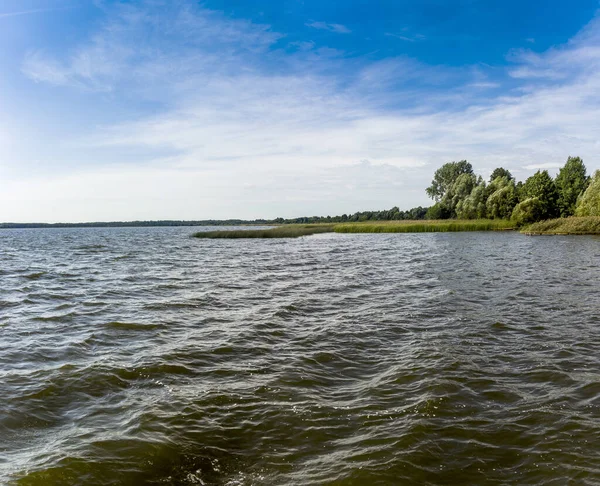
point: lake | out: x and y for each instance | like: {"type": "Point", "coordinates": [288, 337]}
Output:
{"type": "Point", "coordinates": [136, 356]}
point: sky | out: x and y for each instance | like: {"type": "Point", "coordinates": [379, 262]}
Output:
{"type": "Point", "coordinates": [180, 109]}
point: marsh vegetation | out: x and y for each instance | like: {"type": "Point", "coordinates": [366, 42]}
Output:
{"type": "Point", "coordinates": [427, 226]}
{"type": "Point", "coordinates": [575, 225]}
{"type": "Point", "coordinates": [294, 231]}
{"type": "Point", "coordinates": [287, 231]}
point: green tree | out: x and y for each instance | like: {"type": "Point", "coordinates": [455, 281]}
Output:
{"type": "Point", "coordinates": [501, 202]}
{"type": "Point", "coordinates": [589, 202]}
{"type": "Point", "coordinates": [437, 211]}
{"type": "Point", "coordinates": [541, 186]}
{"type": "Point", "coordinates": [473, 206]}
{"type": "Point", "coordinates": [445, 177]}
{"type": "Point", "coordinates": [571, 181]}
{"type": "Point", "coordinates": [528, 211]}
{"type": "Point", "coordinates": [458, 192]}
{"type": "Point", "coordinates": [500, 172]}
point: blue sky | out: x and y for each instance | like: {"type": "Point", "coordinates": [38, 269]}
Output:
{"type": "Point", "coordinates": [228, 108]}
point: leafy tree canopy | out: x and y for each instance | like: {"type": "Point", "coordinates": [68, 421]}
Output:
{"type": "Point", "coordinates": [541, 186]}
{"type": "Point", "coordinates": [503, 199]}
{"type": "Point", "coordinates": [501, 172]}
{"type": "Point", "coordinates": [473, 206]}
{"type": "Point", "coordinates": [528, 211]}
{"type": "Point", "coordinates": [438, 211]}
{"type": "Point", "coordinates": [445, 177]}
{"type": "Point", "coordinates": [571, 181]}
{"type": "Point", "coordinates": [459, 191]}
{"type": "Point", "coordinates": [589, 202]}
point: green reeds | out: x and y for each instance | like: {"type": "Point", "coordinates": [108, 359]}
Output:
{"type": "Point", "coordinates": [288, 231]}
{"type": "Point", "coordinates": [431, 226]}
{"type": "Point", "coordinates": [585, 225]}
{"type": "Point", "coordinates": [425, 226]}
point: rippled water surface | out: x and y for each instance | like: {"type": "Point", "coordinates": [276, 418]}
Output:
{"type": "Point", "coordinates": [142, 356]}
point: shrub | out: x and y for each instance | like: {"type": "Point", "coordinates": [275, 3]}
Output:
{"type": "Point", "coordinates": [528, 211]}
{"type": "Point", "coordinates": [589, 202]}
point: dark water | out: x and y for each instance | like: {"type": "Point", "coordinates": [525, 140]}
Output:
{"type": "Point", "coordinates": [142, 356]}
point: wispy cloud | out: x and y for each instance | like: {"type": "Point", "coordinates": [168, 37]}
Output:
{"type": "Point", "coordinates": [22, 12]}
{"type": "Point", "coordinates": [407, 37]}
{"type": "Point", "coordinates": [337, 28]}
{"type": "Point", "coordinates": [30, 12]}
{"type": "Point", "coordinates": [106, 59]}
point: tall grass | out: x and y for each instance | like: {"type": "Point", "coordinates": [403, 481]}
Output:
{"type": "Point", "coordinates": [288, 231]}
{"type": "Point", "coordinates": [425, 226]}
{"type": "Point", "coordinates": [421, 226]}
{"type": "Point", "coordinates": [585, 225]}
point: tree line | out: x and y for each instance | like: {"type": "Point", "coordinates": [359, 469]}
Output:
{"type": "Point", "coordinates": [459, 193]}
{"type": "Point", "coordinates": [394, 214]}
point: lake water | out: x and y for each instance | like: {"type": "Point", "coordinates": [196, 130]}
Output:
{"type": "Point", "coordinates": [133, 356]}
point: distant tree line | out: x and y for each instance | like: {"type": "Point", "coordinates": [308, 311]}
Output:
{"type": "Point", "coordinates": [393, 214]}
{"type": "Point", "coordinates": [127, 224]}
{"type": "Point", "coordinates": [459, 193]}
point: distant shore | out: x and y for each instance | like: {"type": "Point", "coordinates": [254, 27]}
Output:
{"type": "Point", "coordinates": [139, 224]}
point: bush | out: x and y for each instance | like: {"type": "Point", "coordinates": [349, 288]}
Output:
{"type": "Point", "coordinates": [528, 211]}
{"type": "Point", "coordinates": [438, 211]}
{"type": "Point", "coordinates": [589, 203]}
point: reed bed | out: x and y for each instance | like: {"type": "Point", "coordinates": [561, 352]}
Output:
{"type": "Point", "coordinates": [421, 226]}
{"type": "Point", "coordinates": [288, 231]}
{"type": "Point", "coordinates": [425, 226]}
{"type": "Point", "coordinates": [588, 225]}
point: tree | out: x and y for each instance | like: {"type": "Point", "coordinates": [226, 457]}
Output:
{"type": "Point", "coordinates": [416, 213]}
{"type": "Point", "coordinates": [503, 199]}
{"type": "Point", "coordinates": [458, 192]}
{"type": "Point", "coordinates": [437, 211]}
{"type": "Point", "coordinates": [501, 172]}
{"type": "Point", "coordinates": [541, 186]}
{"type": "Point", "coordinates": [473, 206]}
{"type": "Point", "coordinates": [589, 202]}
{"type": "Point", "coordinates": [571, 181]}
{"type": "Point", "coordinates": [445, 177]}
{"type": "Point", "coordinates": [528, 211]}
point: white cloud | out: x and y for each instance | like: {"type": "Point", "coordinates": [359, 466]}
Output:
{"type": "Point", "coordinates": [549, 165]}
{"type": "Point", "coordinates": [337, 28]}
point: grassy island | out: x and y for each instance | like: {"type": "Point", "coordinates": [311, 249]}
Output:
{"type": "Point", "coordinates": [427, 226]}
{"type": "Point", "coordinates": [287, 231]}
